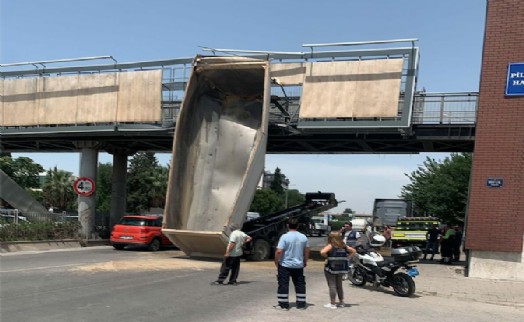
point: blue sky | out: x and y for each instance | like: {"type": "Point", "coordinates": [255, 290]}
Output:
{"type": "Point", "coordinates": [450, 34]}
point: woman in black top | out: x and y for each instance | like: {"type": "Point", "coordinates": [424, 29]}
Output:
{"type": "Point", "coordinates": [337, 264]}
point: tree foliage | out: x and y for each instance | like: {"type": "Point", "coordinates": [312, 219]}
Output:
{"type": "Point", "coordinates": [146, 183]}
{"type": "Point", "coordinates": [441, 188]}
{"type": "Point", "coordinates": [266, 201]}
{"type": "Point", "coordinates": [104, 187]}
{"type": "Point", "coordinates": [278, 182]}
{"type": "Point", "coordinates": [58, 189]}
{"type": "Point", "coordinates": [22, 170]}
{"type": "Point", "coordinates": [294, 198]}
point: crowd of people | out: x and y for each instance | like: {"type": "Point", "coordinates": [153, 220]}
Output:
{"type": "Point", "coordinates": [449, 238]}
{"type": "Point", "coordinates": [292, 254]}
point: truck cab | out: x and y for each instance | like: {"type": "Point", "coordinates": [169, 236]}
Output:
{"type": "Point", "coordinates": [319, 226]}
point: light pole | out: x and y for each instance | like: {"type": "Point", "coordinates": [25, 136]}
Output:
{"type": "Point", "coordinates": [287, 189]}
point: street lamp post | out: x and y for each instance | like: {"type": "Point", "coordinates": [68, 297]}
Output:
{"type": "Point", "coordinates": [287, 189]}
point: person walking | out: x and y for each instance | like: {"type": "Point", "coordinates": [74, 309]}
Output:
{"type": "Point", "coordinates": [337, 264]}
{"type": "Point", "coordinates": [231, 261]}
{"type": "Point", "coordinates": [349, 236]}
{"type": "Point", "coordinates": [432, 238]}
{"type": "Point", "coordinates": [291, 257]}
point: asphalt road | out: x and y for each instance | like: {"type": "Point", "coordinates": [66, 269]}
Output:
{"type": "Point", "coordinates": [102, 284]}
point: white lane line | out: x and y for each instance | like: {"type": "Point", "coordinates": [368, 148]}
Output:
{"type": "Point", "coordinates": [41, 267]}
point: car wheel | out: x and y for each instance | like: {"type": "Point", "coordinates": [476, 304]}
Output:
{"type": "Point", "coordinates": [118, 246]}
{"type": "Point", "coordinates": [154, 245]}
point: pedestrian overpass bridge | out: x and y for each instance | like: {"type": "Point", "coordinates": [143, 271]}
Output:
{"type": "Point", "coordinates": [134, 106]}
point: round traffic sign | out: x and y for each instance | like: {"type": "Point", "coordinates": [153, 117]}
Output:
{"type": "Point", "coordinates": [84, 186]}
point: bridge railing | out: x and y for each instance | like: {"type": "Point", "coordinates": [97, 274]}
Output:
{"type": "Point", "coordinates": [428, 108]}
{"type": "Point", "coordinates": [445, 108]}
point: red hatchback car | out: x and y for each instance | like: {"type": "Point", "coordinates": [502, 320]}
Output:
{"type": "Point", "coordinates": [139, 231]}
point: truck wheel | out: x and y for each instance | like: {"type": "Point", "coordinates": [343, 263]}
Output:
{"type": "Point", "coordinates": [260, 250]}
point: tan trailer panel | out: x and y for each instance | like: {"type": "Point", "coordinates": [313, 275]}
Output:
{"type": "Point", "coordinates": [97, 98]}
{"type": "Point", "coordinates": [198, 243]}
{"type": "Point", "coordinates": [19, 101]}
{"type": "Point", "coordinates": [81, 99]}
{"type": "Point", "coordinates": [288, 74]}
{"type": "Point", "coordinates": [346, 89]}
{"type": "Point", "coordinates": [58, 100]}
{"type": "Point", "coordinates": [139, 96]}
{"type": "Point", "coordinates": [218, 152]}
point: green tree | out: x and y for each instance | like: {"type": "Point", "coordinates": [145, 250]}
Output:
{"type": "Point", "coordinates": [58, 189]}
{"type": "Point", "coordinates": [294, 197]}
{"type": "Point", "coordinates": [147, 183]}
{"type": "Point", "coordinates": [441, 188]}
{"type": "Point", "coordinates": [158, 189]}
{"type": "Point", "coordinates": [266, 201]}
{"type": "Point", "coordinates": [103, 187]}
{"type": "Point", "coordinates": [278, 182]}
{"type": "Point", "coordinates": [22, 170]}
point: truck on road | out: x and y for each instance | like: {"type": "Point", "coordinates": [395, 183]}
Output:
{"type": "Point", "coordinates": [411, 231]}
{"type": "Point", "coordinates": [386, 212]}
{"type": "Point", "coordinates": [266, 230]}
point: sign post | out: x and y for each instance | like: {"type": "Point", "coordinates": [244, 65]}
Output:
{"type": "Point", "coordinates": [84, 186]}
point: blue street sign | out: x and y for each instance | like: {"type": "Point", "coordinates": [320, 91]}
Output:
{"type": "Point", "coordinates": [494, 182]}
{"type": "Point", "coordinates": [515, 80]}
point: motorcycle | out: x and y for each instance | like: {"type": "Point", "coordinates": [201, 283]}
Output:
{"type": "Point", "coordinates": [370, 267]}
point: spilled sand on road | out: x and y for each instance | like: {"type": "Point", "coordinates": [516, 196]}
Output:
{"type": "Point", "coordinates": [160, 262]}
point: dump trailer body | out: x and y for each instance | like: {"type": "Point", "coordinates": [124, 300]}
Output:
{"type": "Point", "coordinates": [218, 152]}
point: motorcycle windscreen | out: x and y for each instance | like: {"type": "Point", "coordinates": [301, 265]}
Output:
{"type": "Point", "coordinates": [218, 152]}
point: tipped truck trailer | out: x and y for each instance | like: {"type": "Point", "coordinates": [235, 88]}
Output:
{"type": "Point", "coordinates": [218, 152]}
{"type": "Point", "coordinates": [266, 230]}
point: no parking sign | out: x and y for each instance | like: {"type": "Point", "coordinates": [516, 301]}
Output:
{"type": "Point", "coordinates": [84, 186]}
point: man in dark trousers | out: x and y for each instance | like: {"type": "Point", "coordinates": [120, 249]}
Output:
{"type": "Point", "coordinates": [291, 257]}
{"type": "Point", "coordinates": [432, 236]}
{"type": "Point", "coordinates": [457, 243]}
{"type": "Point", "coordinates": [231, 261]}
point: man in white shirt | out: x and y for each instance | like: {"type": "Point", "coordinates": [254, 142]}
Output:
{"type": "Point", "coordinates": [231, 261]}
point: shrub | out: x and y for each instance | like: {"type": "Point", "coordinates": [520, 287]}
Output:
{"type": "Point", "coordinates": [47, 230]}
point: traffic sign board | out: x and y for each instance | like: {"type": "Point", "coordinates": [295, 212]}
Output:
{"type": "Point", "coordinates": [84, 186]}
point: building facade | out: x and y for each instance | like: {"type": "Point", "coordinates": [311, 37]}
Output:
{"type": "Point", "coordinates": [495, 216]}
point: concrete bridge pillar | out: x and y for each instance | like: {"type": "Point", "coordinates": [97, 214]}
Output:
{"type": "Point", "coordinates": [87, 204]}
{"type": "Point", "coordinates": [118, 186]}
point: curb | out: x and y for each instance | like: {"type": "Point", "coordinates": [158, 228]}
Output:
{"type": "Point", "coordinates": [17, 246]}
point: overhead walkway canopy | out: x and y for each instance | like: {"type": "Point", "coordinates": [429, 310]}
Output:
{"type": "Point", "coordinates": [336, 101]}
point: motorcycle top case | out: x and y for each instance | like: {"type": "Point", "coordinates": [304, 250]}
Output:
{"type": "Point", "coordinates": [407, 253]}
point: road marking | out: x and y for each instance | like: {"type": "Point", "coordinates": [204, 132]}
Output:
{"type": "Point", "coordinates": [39, 268]}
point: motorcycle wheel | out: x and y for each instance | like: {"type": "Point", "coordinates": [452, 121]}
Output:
{"type": "Point", "coordinates": [403, 284]}
{"type": "Point", "coordinates": [357, 278]}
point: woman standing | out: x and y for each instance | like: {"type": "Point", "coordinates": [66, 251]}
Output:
{"type": "Point", "coordinates": [337, 264]}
